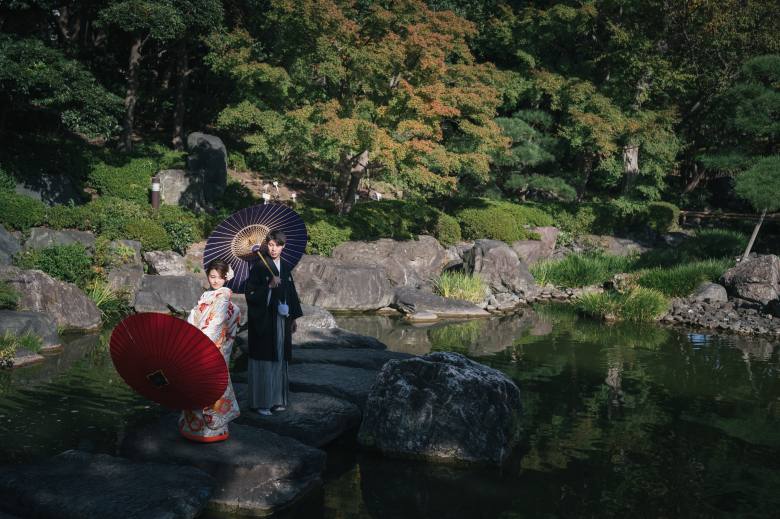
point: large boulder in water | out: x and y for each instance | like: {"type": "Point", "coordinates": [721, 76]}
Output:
{"type": "Point", "coordinates": [70, 308]}
{"type": "Point", "coordinates": [755, 279]}
{"type": "Point", "coordinates": [411, 301]}
{"type": "Point", "coordinates": [442, 407]}
{"type": "Point", "coordinates": [336, 285]}
{"type": "Point", "coordinates": [407, 263]}
{"type": "Point", "coordinates": [500, 267]}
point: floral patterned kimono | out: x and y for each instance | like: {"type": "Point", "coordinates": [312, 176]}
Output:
{"type": "Point", "coordinates": [218, 318]}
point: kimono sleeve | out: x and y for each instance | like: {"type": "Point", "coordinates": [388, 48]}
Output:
{"type": "Point", "coordinates": [293, 301]}
{"type": "Point", "coordinates": [215, 321]}
{"type": "Point", "coordinates": [256, 290]}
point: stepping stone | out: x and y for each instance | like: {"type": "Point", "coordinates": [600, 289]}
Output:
{"type": "Point", "coordinates": [351, 384]}
{"type": "Point", "coordinates": [257, 472]}
{"type": "Point", "coordinates": [311, 418]}
{"type": "Point", "coordinates": [352, 357]}
{"type": "Point", "coordinates": [78, 484]}
{"type": "Point", "coordinates": [334, 338]}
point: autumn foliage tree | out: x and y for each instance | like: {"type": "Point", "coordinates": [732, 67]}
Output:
{"type": "Point", "coordinates": [339, 90]}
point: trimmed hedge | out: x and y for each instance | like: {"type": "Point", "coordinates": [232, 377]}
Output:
{"type": "Point", "coordinates": [662, 217]}
{"type": "Point", "coordinates": [150, 233]}
{"type": "Point", "coordinates": [501, 221]}
{"type": "Point", "coordinates": [21, 212]}
{"type": "Point", "coordinates": [447, 230]}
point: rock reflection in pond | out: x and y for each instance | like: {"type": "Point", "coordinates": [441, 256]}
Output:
{"type": "Point", "coordinates": [476, 337]}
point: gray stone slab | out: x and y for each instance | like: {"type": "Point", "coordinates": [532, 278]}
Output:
{"type": "Point", "coordinates": [351, 384]}
{"type": "Point", "coordinates": [9, 246]}
{"type": "Point", "coordinates": [352, 357]}
{"type": "Point", "coordinates": [258, 472]}
{"type": "Point", "coordinates": [77, 484]}
{"type": "Point", "coordinates": [42, 237]}
{"type": "Point", "coordinates": [312, 418]}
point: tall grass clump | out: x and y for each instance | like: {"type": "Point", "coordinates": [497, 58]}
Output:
{"type": "Point", "coordinates": [637, 304]}
{"type": "Point", "coordinates": [10, 344]}
{"type": "Point", "coordinates": [681, 280]}
{"type": "Point", "coordinates": [579, 270]}
{"type": "Point", "coordinates": [112, 303]}
{"type": "Point", "coordinates": [458, 285]}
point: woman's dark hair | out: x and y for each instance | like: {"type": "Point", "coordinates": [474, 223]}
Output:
{"type": "Point", "coordinates": [276, 235]}
{"type": "Point", "coordinates": [220, 266]}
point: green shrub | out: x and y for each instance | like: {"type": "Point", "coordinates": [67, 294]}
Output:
{"type": "Point", "coordinates": [396, 219]}
{"type": "Point", "coordinates": [447, 230]}
{"type": "Point", "coordinates": [574, 223]}
{"type": "Point", "coordinates": [579, 270]}
{"type": "Point", "coordinates": [68, 216]}
{"type": "Point", "coordinates": [681, 280]}
{"type": "Point", "coordinates": [639, 304]}
{"type": "Point", "coordinates": [501, 220]}
{"type": "Point", "coordinates": [182, 227]}
{"type": "Point", "coordinates": [71, 263]}
{"type": "Point", "coordinates": [20, 212]}
{"type": "Point", "coordinates": [7, 182]}
{"type": "Point", "coordinates": [131, 181]}
{"type": "Point", "coordinates": [150, 233]}
{"type": "Point", "coordinates": [458, 285]}
{"type": "Point", "coordinates": [662, 217]}
{"type": "Point", "coordinates": [324, 236]}
{"type": "Point", "coordinates": [237, 161]}
{"type": "Point", "coordinates": [9, 298]}
{"type": "Point", "coordinates": [110, 216]}
{"type": "Point", "coordinates": [715, 243]}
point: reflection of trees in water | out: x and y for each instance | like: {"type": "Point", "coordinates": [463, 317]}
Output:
{"type": "Point", "coordinates": [646, 412]}
{"type": "Point", "coordinates": [618, 419]}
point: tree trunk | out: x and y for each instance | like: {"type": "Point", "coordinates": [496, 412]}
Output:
{"type": "Point", "coordinates": [131, 98]}
{"type": "Point", "coordinates": [753, 236]}
{"type": "Point", "coordinates": [698, 175]}
{"type": "Point", "coordinates": [181, 89]}
{"type": "Point", "coordinates": [356, 173]}
{"type": "Point", "coordinates": [586, 162]}
{"type": "Point", "coordinates": [630, 167]}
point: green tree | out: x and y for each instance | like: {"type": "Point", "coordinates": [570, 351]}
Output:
{"type": "Point", "coordinates": [343, 89]}
{"type": "Point", "coordinates": [747, 143]}
{"type": "Point", "coordinates": [36, 77]}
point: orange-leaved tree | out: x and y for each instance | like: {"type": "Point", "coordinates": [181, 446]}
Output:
{"type": "Point", "coordinates": [339, 89]}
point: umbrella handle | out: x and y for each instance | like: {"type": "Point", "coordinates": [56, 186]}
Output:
{"type": "Point", "coordinates": [257, 250]}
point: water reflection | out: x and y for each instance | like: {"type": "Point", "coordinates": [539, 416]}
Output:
{"type": "Point", "coordinates": [618, 419]}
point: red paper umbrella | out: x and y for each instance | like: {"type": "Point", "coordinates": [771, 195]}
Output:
{"type": "Point", "coordinates": [168, 360]}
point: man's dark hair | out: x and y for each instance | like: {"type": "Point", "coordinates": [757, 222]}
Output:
{"type": "Point", "coordinates": [276, 235]}
{"type": "Point", "coordinates": [220, 266]}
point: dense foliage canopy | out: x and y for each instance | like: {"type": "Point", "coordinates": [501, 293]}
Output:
{"type": "Point", "coordinates": [624, 100]}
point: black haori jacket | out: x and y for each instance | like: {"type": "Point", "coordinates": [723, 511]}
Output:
{"type": "Point", "coordinates": [262, 314]}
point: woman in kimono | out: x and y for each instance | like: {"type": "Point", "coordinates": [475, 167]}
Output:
{"type": "Point", "coordinates": [273, 308]}
{"type": "Point", "coordinates": [218, 318]}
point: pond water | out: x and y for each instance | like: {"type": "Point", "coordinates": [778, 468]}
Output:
{"type": "Point", "coordinates": [618, 420]}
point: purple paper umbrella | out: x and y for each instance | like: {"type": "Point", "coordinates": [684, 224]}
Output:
{"type": "Point", "coordinates": [232, 240]}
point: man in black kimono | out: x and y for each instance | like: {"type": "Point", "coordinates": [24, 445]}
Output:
{"type": "Point", "coordinates": [273, 308]}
